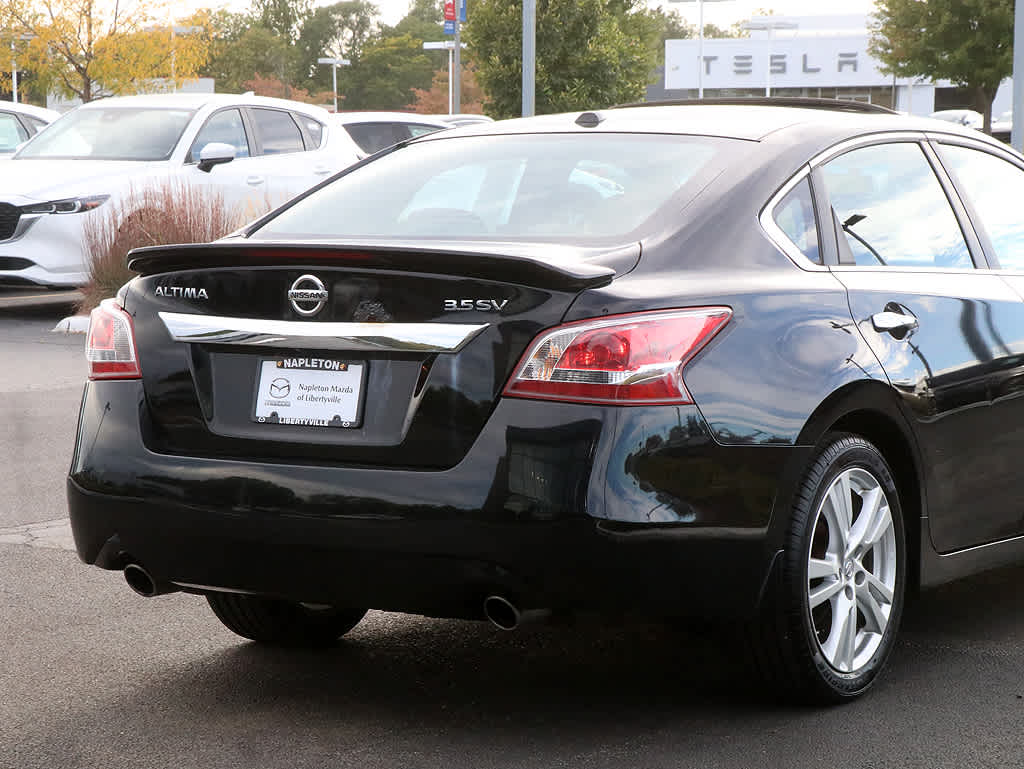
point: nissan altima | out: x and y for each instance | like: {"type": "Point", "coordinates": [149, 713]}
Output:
{"type": "Point", "coordinates": [759, 361]}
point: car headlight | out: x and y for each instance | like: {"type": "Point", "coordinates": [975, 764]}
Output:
{"type": "Point", "coordinates": [66, 206]}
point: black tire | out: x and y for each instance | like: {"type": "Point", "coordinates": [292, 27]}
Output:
{"type": "Point", "coordinates": [282, 623]}
{"type": "Point", "coordinates": [786, 639]}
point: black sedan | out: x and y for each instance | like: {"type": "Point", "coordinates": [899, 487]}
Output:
{"type": "Point", "coordinates": [761, 362]}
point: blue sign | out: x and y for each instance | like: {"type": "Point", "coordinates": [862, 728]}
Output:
{"type": "Point", "coordinates": [449, 27]}
{"type": "Point", "coordinates": [462, 11]}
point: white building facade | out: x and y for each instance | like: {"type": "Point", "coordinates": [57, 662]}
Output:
{"type": "Point", "coordinates": [825, 56]}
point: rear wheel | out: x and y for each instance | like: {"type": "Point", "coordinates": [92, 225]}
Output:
{"type": "Point", "coordinates": [283, 623]}
{"type": "Point", "coordinates": [828, 627]}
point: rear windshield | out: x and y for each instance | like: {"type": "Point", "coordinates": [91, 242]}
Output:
{"type": "Point", "coordinates": [550, 187]}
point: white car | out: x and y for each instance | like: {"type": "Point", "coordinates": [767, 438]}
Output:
{"type": "Point", "coordinates": [964, 117]}
{"type": "Point", "coordinates": [19, 122]}
{"type": "Point", "coordinates": [374, 131]}
{"type": "Point", "coordinates": [256, 151]}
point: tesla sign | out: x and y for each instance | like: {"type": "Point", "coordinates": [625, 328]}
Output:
{"type": "Point", "coordinates": [826, 62]}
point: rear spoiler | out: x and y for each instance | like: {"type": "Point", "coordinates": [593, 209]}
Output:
{"type": "Point", "coordinates": [550, 266]}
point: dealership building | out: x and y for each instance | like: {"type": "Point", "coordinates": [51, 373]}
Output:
{"type": "Point", "coordinates": [821, 56]}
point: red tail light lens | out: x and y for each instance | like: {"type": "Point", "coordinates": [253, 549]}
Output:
{"type": "Point", "coordinates": [111, 346]}
{"type": "Point", "coordinates": [625, 360]}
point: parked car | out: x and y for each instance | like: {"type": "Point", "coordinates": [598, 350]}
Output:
{"type": "Point", "coordinates": [19, 122]}
{"type": "Point", "coordinates": [964, 117]}
{"type": "Point", "coordinates": [741, 360]}
{"type": "Point", "coordinates": [374, 131]}
{"type": "Point", "coordinates": [253, 150]}
{"type": "Point", "coordinates": [1002, 126]}
{"type": "Point", "coordinates": [464, 118]}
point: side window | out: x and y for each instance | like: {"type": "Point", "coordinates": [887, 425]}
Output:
{"type": "Point", "coordinates": [35, 125]}
{"type": "Point", "coordinates": [418, 129]}
{"type": "Point", "coordinates": [225, 127]}
{"type": "Point", "coordinates": [374, 137]}
{"type": "Point", "coordinates": [794, 215]}
{"type": "Point", "coordinates": [277, 131]}
{"type": "Point", "coordinates": [889, 209]}
{"type": "Point", "coordinates": [12, 132]}
{"type": "Point", "coordinates": [314, 128]}
{"type": "Point", "coordinates": [996, 188]}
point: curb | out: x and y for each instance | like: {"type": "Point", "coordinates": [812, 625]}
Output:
{"type": "Point", "coordinates": [76, 324]}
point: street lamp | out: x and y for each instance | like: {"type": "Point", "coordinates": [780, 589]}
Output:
{"type": "Point", "coordinates": [770, 26]}
{"type": "Point", "coordinates": [335, 63]}
{"type": "Point", "coordinates": [178, 29]}
{"type": "Point", "coordinates": [700, 40]}
{"type": "Point", "coordinates": [446, 45]}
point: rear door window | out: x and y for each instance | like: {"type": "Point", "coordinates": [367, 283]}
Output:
{"type": "Point", "coordinates": [890, 210]}
{"type": "Point", "coordinates": [995, 188]}
{"type": "Point", "coordinates": [278, 134]}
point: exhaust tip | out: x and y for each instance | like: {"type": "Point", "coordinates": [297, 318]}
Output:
{"type": "Point", "coordinates": [140, 580]}
{"type": "Point", "coordinates": [501, 612]}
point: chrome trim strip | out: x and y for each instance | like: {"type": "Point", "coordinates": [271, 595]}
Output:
{"type": "Point", "coordinates": [254, 332]}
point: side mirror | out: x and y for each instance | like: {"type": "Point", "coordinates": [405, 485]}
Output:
{"type": "Point", "coordinates": [214, 154]}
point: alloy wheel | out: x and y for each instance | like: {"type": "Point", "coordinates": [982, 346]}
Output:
{"type": "Point", "coordinates": [851, 570]}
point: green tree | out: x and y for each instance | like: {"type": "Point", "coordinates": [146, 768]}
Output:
{"type": "Point", "coordinates": [341, 30]}
{"type": "Point", "coordinates": [285, 17]}
{"type": "Point", "coordinates": [256, 51]}
{"type": "Point", "coordinates": [589, 54]}
{"type": "Point", "coordinates": [969, 42]}
{"type": "Point", "coordinates": [387, 74]}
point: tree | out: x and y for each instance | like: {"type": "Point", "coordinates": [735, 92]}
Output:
{"type": "Point", "coordinates": [341, 30]}
{"type": "Point", "coordinates": [257, 51]}
{"type": "Point", "coordinates": [435, 100]}
{"type": "Point", "coordinates": [969, 42]}
{"type": "Point", "coordinates": [386, 75]}
{"type": "Point", "coordinates": [586, 56]}
{"type": "Point", "coordinates": [285, 17]}
{"type": "Point", "coordinates": [92, 48]}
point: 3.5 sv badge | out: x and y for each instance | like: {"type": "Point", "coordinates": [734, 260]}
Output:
{"type": "Point", "coordinates": [480, 305]}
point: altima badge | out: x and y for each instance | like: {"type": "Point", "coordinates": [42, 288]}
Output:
{"type": "Point", "coordinates": [308, 295]}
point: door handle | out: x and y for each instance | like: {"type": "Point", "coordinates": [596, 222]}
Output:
{"type": "Point", "coordinates": [254, 181]}
{"type": "Point", "coordinates": [893, 321]}
{"type": "Point", "coordinates": [321, 171]}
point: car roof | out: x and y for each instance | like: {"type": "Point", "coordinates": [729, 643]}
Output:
{"type": "Point", "coordinates": [48, 115]}
{"type": "Point", "coordinates": [195, 101]}
{"type": "Point", "coordinates": [753, 122]}
{"type": "Point", "coordinates": [389, 117]}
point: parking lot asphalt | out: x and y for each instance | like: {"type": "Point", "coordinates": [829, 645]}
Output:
{"type": "Point", "coordinates": [92, 675]}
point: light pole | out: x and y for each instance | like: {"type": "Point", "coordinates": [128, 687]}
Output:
{"type": "Point", "coordinates": [700, 40]}
{"type": "Point", "coordinates": [335, 63]}
{"type": "Point", "coordinates": [771, 26]}
{"type": "Point", "coordinates": [14, 65]}
{"type": "Point", "coordinates": [447, 45]}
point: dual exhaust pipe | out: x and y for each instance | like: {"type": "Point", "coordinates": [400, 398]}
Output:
{"type": "Point", "coordinates": [505, 615]}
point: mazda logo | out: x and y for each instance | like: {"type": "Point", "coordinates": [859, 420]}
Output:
{"type": "Point", "coordinates": [280, 388]}
{"type": "Point", "coordinates": [308, 295]}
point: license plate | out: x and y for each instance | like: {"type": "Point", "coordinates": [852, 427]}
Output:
{"type": "Point", "coordinates": [318, 392]}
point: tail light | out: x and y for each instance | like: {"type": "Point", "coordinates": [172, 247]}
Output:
{"type": "Point", "coordinates": [111, 346]}
{"type": "Point", "coordinates": [626, 360]}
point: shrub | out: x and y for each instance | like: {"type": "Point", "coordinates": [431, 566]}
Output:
{"type": "Point", "coordinates": [160, 214]}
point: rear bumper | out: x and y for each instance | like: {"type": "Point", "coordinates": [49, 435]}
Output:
{"type": "Point", "coordinates": [596, 511]}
